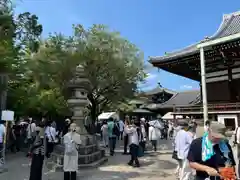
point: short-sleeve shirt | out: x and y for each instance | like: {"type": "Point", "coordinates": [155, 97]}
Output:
{"type": "Point", "coordinates": [216, 161]}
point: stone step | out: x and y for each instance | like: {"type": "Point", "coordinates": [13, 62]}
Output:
{"type": "Point", "coordinates": [83, 150]}
{"type": "Point", "coordinates": [82, 158]}
{"type": "Point", "coordinates": [51, 166]}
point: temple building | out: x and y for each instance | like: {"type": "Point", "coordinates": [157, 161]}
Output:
{"type": "Point", "coordinates": [221, 55]}
{"type": "Point", "coordinates": [160, 101]}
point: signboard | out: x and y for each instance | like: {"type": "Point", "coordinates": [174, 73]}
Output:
{"type": "Point", "coordinates": [7, 115]}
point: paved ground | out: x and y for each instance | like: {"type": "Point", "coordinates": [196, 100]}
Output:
{"type": "Point", "coordinates": [155, 166]}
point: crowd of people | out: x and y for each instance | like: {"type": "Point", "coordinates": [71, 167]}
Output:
{"type": "Point", "coordinates": [135, 134]}
{"type": "Point", "coordinates": [209, 156]}
{"type": "Point", "coordinates": [37, 139]}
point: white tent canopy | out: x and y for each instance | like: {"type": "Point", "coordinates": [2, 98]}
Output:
{"type": "Point", "coordinates": [169, 116]}
{"type": "Point", "coordinates": [107, 115]}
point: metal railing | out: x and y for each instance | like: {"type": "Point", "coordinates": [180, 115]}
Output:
{"type": "Point", "coordinates": [211, 107]}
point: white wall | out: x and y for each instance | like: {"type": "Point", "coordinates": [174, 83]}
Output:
{"type": "Point", "coordinates": [221, 118]}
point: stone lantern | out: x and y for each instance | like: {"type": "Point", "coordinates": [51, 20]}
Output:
{"type": "Point", "coordinates": [90, 154]}
{"type": "Point", "coordinates": [79, 86]}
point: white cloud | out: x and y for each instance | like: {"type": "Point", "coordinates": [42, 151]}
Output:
{"type": "Point", "coordinates": [186, 86]}
{"type": "Point", "coordinates": [151, 76]}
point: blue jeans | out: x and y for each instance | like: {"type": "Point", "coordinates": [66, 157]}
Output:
{"type": "Point", "coordinates": [112, 144]}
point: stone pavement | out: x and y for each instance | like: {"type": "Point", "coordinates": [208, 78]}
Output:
{"type": "Point", "coordinates": [155, 166]}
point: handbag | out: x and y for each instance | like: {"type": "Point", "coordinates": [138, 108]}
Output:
{"type": "Point", "coordinates": [174, 155]}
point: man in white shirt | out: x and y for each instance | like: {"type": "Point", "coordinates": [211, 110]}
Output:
{"type": "Point", "coordinates": [153, 136]}
{"type": "Point", "coordinates": [51, 134]}
{"type": "Point", "coordinates": [31, 133]}
{"type": "Point", "coordinates": [2, 134]}
{"type": "Point", "coordinates": [31, 129]}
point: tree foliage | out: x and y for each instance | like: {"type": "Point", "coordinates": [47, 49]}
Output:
{"type": "Point", "coordinates": [40, 69]}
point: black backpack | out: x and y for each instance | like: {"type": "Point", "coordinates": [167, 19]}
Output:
{"type": "Point", "coordinates": [116, 130]}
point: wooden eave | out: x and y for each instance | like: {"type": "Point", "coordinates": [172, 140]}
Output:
{"type": "Point", "coordinates": [186, 62]}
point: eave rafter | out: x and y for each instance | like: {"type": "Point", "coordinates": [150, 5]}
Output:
{"type": "Point", "coordinates": [213, 57]}
{"type": "Point", "coordinates": [227, 52]}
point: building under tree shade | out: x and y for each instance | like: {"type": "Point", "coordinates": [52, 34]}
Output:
{"type": "Point", "coordinates": [222, 65]}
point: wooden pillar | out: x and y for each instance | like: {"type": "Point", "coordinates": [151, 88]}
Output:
{"type": "Point", "coordinates": [231, 88]}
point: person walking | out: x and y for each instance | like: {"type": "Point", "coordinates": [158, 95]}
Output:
{"type": "Point", "coordinates": [143, 134]}
{"type": "Point", "coordinates": [182, 143]}
{"type": "Point", "coordinates": [125, 136]}
{"type": "Point", "coordinates": [31, 132]}
{"type": "Point", "coordinates": [104, 130]}
{"type": "Point", "coordinates": [113, 132]}
{"type": "Point", "coordinates": [51, 134]}
{"type": "Point", "coordinates": [134, 134]}
{"type": "Point", "coordinates": [153, 136]}
{"type": "Point", "coordinates": [71, 142]}
{"type": "Point", "coordinates": [237, 144]}
{"type": "Point", "coordinates": [121, 128]}
{"type": "Point", "coordinates": [37, 152]}
{"type": "Point", "coordinates": [2, 134]}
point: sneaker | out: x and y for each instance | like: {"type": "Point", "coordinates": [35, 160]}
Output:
{"type": "Point", "coordinates": [130, 164]}
{"type": "Point", "coordinates": [136, 165]}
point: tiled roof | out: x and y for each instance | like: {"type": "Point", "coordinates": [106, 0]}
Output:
{"type": "Point", "coordinates": [159, 90]}
{"type": "Point", "coordinates": [185, 98]}
{"type": "Point", "coordinates": [139, 110]}
{"type": "Point", "coordinates": [230, 25]}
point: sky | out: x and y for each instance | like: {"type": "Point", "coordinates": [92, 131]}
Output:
{"type": "Point", "coordinates": [155, 26]}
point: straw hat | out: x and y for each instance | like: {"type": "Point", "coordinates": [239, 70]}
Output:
{"type": "Point", "coordinates": [217, 130]}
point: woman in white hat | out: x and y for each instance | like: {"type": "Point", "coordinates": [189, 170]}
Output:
{"type": "Point", "coordinates": [71, 141]}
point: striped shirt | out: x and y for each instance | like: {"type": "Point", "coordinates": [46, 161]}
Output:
{"type": "Point", "coordinates": [39, 150]}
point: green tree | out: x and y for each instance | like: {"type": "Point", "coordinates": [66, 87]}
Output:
{"type": "Point", "coordinates": [113, 65]}
{"type": "Point", "coordinates": [19, 37]}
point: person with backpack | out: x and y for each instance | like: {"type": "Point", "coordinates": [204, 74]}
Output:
{"type": "Point", "coordinates": [70, 163]}
{"type": "Point", "coordinates": [113, 133]}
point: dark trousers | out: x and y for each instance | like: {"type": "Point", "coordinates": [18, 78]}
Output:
{"type": "Point", "coordinates": [36, 167]}
{"type": "Point", "coordinates": [143, 145]}
{"type": "Point", "coordinates": [1, 152]}
{"type": "Point", "coordinates": [15, 145]}
{"type": "Point", "coordinates": [50, 147]}
{"type": "Point", "coordinates": [134, 154]}
{"type": "Point", "coordinates": [121, 135]}
{"type": "Point", "coordinates": [112, 145]}
{"type": "Point", "coordinates": [125, 141]}
{"type": "Point", "coordinates": [154, 144]}
{"type": "Point", "coordinates": [29, 144]}
{"type": "Point", "coordinates": [70, 175]}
